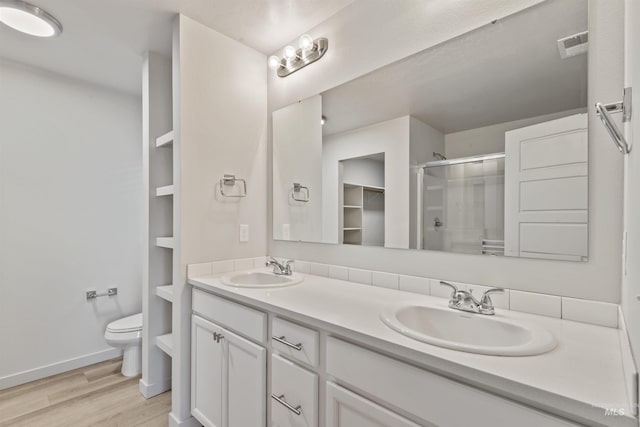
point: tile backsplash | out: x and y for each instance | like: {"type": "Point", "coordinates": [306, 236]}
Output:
{"type": "Point", "coordinates": [579, 310]}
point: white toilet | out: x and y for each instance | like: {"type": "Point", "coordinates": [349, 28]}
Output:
{"type": "Point", "coordinates": [126, 333]}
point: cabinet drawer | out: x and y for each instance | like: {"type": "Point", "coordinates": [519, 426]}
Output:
{"type": "Point", "coordinates": [295, 341]}
{"type": "Point", "coordinates": [296, 387]}
{"type": "Point", "coordinates": [346, 409]}
{"type": "Point", "coordinates": [431, 397]}
{"type": "Point", "coordinates": [237, 317]}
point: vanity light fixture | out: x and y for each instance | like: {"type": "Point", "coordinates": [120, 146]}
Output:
{"type": "Point", "coordinates": [28, 18]}
{"type": "Point", "coordinates": [293, 59]}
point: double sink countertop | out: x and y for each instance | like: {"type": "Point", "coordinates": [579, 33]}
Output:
{"type": "Point", "coordinates": [580, 379]}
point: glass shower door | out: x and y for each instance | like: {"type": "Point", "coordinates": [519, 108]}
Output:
{"type": "Point", "coordinates": [463, 208]}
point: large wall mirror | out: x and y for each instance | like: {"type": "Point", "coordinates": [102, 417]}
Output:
{"type": "Point", "coordinates": [478, 145]}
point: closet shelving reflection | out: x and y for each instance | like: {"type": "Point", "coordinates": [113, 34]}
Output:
{"type": "Point", "coordinates": [354, 209]}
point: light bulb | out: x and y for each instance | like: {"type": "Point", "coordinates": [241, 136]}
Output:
{"type": "Point", "coordinates": [289, 53]}
{"type": "Point", "coordinates": [306, 42]}
{"type": "Point", "coordinates": [29, 19]}
{"type": "Point", "coordinates": [274, 62]}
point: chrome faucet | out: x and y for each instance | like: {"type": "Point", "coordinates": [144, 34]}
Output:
{"type": "Point", "coordinates": [281, 269]}
{"type": "Point", "coordinates": [465, 301]}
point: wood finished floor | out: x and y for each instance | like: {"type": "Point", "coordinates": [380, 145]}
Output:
{"type": "Point", "coordinates": [97, 395]}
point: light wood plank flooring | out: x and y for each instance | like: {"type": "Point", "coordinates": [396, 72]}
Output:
{"type": "Point", "coordinates": [97, 395]}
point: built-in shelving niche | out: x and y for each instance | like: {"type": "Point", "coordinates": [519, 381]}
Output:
{"type": "Point", "coordinates": [159, 164]}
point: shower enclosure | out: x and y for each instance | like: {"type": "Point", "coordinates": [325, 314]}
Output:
{"type": "Point", "coordinates": [460, 205]}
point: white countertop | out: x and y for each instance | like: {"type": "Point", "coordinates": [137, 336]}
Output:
{"type": "Point", "coordinates": [578, 379]}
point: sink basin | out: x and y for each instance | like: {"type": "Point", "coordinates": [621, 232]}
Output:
{"type": "Point", "coordinates": [260, 279]}
{"type": "Point", "coordinates": [472, 333]}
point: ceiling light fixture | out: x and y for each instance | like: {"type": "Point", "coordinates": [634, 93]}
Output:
{"type": "Point", "coordinates": [292, 60]}
{"type": "Point", "coordinates": [28, 19]}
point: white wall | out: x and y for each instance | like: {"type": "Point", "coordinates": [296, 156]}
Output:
{"type": "Point", "coordinates": [70, 219]}
{"type": "Point", "coordinates": [220, 123]}
{"type": "Point", "coordinates": [222, 131]}
{"type": "Point", "coordinates": [490, 139]}
{"type": "Point", "coordinates": [297, 149]}
{"type": "Point", "coordinates": [392, 139]}
{"type": "Point", "coordinates": [363, 171]}
{"type": "Point", "coordinates": [416, 25]}
{"type": "Point", "coordinates": [631, 266]}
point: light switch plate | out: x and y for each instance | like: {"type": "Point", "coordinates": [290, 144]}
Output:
{"type": "Point", "coordinates": [244, 233]}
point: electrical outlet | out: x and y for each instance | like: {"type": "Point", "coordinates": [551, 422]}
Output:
{"type": "Point", "coordinates": [244, 233]}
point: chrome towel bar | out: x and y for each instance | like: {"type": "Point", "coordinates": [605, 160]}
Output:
{"type": "Point", "coordinates": [230, 181]}
{"type": "Point", "coordinates": [624, 107]}
{"type": "Point", "coordinates": [298, 188]}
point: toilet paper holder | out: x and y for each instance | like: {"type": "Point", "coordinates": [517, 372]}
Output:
{"type": "Point", "coordinates": [94, 294]}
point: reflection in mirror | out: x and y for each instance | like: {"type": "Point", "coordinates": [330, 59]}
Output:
{"type": "Point", "coordinates": [482, 143]}
{"type": "Point", "coordinates": [463, 200]}
{"type": "Point", "coordinates": [363, 202]}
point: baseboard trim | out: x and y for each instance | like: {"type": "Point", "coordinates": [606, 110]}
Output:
{"type": "Point", "coordinates": [58, 368]}
{"type": "Point", "coordinates": [189, 422]}
{"type": "Point", "coordinates": [150, 390]}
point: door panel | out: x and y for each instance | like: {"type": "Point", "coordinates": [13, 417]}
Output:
{"type": "Point", "coordinates": [246, 370]}
{"type": "Point", "coordinates": [207, 373]}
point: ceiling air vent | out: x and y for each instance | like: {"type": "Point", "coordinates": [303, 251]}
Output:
{"type": "Point", "coordinates": [574, 45]}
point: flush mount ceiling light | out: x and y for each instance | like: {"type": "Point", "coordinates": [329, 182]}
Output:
{"type": "Point", "coordinates": [294, 59]}
{"type": "Point", "coordinates": [28, 19]}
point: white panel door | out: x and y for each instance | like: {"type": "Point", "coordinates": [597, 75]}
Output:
{"type": "Point", "coordinates": [347, 409]}
{"type": "Point", "coordinates": [247, 386]}
{"type": "Point", "coordinates": [207, 373]}
{"type": "Point", "coordinates": [546, 190]}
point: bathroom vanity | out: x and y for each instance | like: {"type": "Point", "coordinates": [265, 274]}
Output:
{"type": "Point", "coordinates": [318, 354]}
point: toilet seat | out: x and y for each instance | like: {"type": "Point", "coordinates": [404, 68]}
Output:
{"type": "Point", "coordinates": [126, 324]}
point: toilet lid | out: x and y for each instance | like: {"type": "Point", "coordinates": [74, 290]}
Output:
{"type": "Point", "coordinates": [126, 324]}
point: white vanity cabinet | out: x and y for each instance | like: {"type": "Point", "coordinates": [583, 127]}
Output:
{"type": "Point", "coordinates": [228, 371]}
{"type": "Point", "coordinates": [318, 378]}
{"type": "Point", "coordinates": [433, 398]}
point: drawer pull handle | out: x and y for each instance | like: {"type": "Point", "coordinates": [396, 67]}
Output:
{"type": "Point", "coordinates": [280, 400]}
{"type": "Point", "coordinates": [282, 340]}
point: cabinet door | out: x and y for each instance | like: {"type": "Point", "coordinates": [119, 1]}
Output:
{"type": "Point", "coordinates": [246, 368]}
{"type": "Point", "coordinates": [347, 409]}
{"type": "Point", "coordinates": [207, 373]}
{"type": "Point", "coordinates": [228, 377]}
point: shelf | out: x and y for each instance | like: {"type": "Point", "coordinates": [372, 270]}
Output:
{"type": "Point", "coordinates": [167, 190]}
{"type": "Point", "coordinates": [164, 242]}
{"type": "Point", "coordinates": [165, 343]}
{"type": "Point", "coordinates": [434, 208]}
{"type": "Point", "coordinates": [365, 186]}
{"type": "Point", "coordinates": [165, 292]}
{"type": "Point", "coordinates": [435, 187]}
{"type": "Point", "coordinates": [352, 229]}
{"type": "Point", "coordinates": [352, 207]}
{"type": "Point", "coordinates": [165, 140]}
